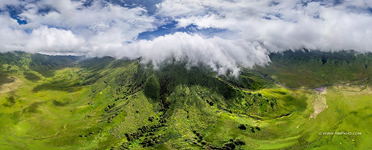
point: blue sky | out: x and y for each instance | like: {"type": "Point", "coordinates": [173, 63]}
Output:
{"type": "Point", "coordinates": [168, 27]}
{"type": "Point", "coordinates": [229, 33]}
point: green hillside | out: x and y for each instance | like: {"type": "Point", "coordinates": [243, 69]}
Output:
{"type": "Point", "coordinates": [70, 102]}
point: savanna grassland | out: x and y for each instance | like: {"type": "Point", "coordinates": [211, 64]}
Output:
{"type": "Point", "coordinates": [301, 100]}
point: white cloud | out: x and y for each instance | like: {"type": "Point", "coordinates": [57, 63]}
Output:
{"type": "Point", "coordinates": [291, 25]}
{"type": "Point", "coordinates": [46, 39]}
{"type": "Point", "coordinates": [257, 27]}
{"type": "Point", "coordinates": [215, 51]}
{"type": "Point", "coordinates": [8, 2]}
{"type": "Point", "coordinates": [75, 28]}
{"type": "Point", "coordinates": [11, 38]}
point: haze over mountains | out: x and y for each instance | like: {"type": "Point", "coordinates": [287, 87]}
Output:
{"type": "Point", "coordinates": [223, 34]}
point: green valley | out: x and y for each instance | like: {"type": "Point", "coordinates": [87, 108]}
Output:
{"type": "Point", "coordinates": [301, 100]}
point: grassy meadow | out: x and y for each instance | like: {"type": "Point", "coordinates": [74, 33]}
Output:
{"type": "Point", "coordinates": [65, 102]}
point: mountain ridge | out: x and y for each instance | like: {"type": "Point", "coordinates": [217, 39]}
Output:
{"type": "Point", "coordinates": [107, 103]}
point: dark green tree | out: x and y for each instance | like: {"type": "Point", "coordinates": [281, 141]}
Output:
{"type": "Point", "coordinates": [152, 88]}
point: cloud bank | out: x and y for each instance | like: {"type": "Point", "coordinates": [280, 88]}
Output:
{"type": "Point", "coordinates": [254, 28]}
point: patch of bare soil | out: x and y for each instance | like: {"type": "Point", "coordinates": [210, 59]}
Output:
{"type": "Point", "coordinates": [10, 86]}
{"type": "Point", "coordinates": [320, 103]}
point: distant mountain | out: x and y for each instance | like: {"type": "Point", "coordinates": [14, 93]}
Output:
{"type": "Point", "coordinates": [70, 102]}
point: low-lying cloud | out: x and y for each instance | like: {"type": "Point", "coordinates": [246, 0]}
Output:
{"type": "Point", "coordinates": [255, 27]}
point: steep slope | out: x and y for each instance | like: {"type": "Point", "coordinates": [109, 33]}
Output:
{"type": "Point", "coordinates": [107, 103]}
{"type": "Point", "coordinates": [314, 69]}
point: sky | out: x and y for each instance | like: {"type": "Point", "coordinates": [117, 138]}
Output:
{"type": "Point", "coordinates": [224, 34]}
